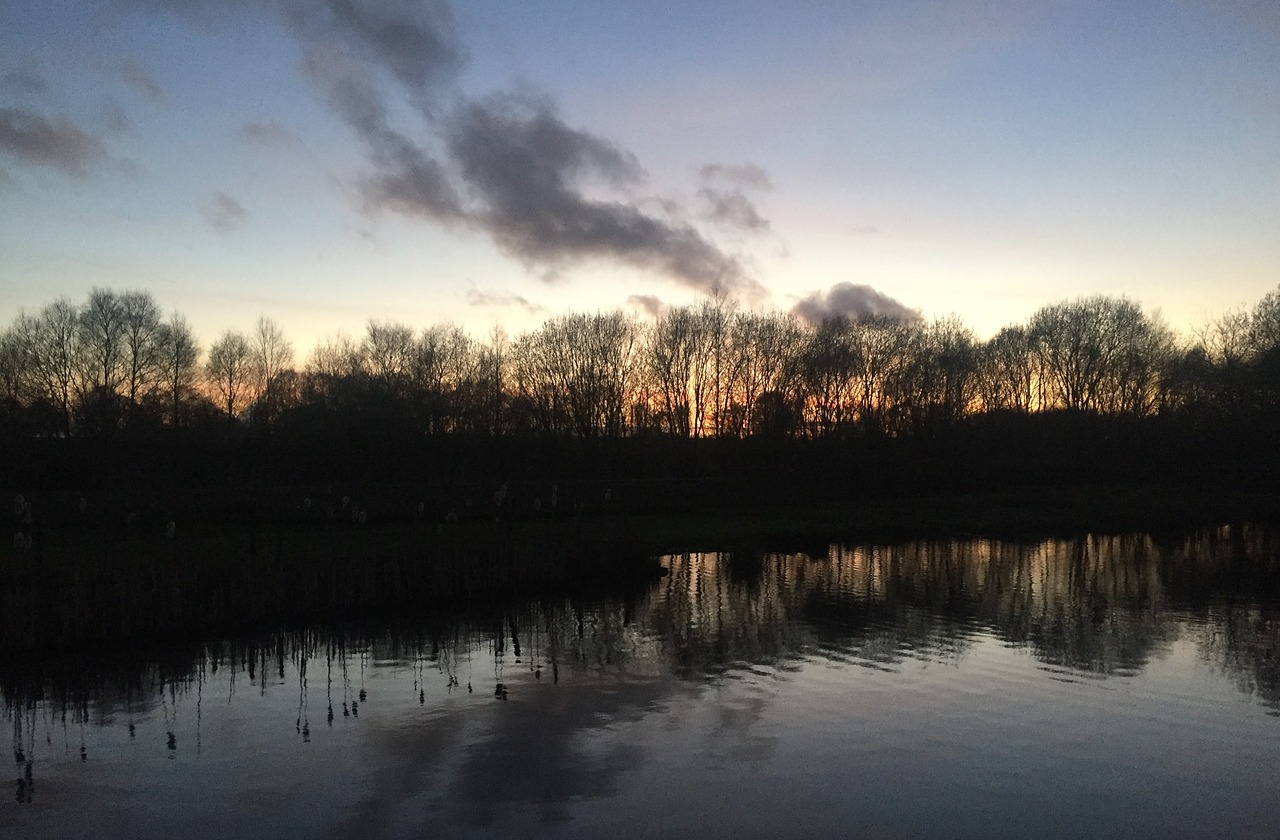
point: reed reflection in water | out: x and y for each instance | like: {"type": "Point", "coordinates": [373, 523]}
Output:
{"type": "Point", "coordinates": [1107, 686]}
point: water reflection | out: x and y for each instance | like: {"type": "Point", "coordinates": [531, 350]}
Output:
{"type": "Point", "coordinates": [1097, 604]}
{"type": "Point", "coordinates": [526, 714]}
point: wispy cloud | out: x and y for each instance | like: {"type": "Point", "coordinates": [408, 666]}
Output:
{"type": "Point", "coordinates": [408, 178]}
{"type": "Point", "coordinates": [736, 175]}
{"type": "Point", "coordinates": [651, 305]}
{"type": "Point", "coordinates": [223, 213]}
{"type": "Point", "coordinates": [137, 77]}
{"type": "Point", "coordinates": [475, 297]}
{"type": "Point", "coordinates": [269, 134]}
{"type": "Point", "coordinates": [546, 193]}
{"type": "Point", "coordinates": [854, 301]}
{"type": "Point", "coordinates": [527, 169]}
{"type": "Point", "coordinates": [733, 209]}
{"type": "Point", "coordinates": [55, 142]}
{"type": "Point", "coordinates": [725, 199]}
{"type": "Point", "coordinates": [114, 119]}
{"type": "Point", "coordinates": [24, 81]}
{"type": "Point", "coordinates": [415, 42]}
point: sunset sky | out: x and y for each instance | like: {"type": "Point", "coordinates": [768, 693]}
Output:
{"type": "Point", "coordinates": [324, 162]}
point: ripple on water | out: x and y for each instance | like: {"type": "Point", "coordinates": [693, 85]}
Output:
{"type": "Point", "coordinates": [942, 689]}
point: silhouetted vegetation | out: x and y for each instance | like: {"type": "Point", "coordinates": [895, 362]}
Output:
{"type": "Point", "coordinates": [156, 487]}
{"type": "Point", "coordinates": [107, 394]}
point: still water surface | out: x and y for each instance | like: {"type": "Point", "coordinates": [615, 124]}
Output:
{"type": "Point", "coordinates": [1101, 687]}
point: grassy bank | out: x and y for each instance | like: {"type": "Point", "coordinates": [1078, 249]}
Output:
{"type": "Point", "coordinates": [95, 575]}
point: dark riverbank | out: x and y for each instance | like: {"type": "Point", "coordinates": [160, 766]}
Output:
{"type": "Point", "coordinates": [200, 563]}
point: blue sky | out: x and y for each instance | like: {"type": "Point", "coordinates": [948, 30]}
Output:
{"type": "Point", "coordinates": [325, 162]}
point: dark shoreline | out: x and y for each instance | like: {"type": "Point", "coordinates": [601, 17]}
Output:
{"type": "Point", "coordinates": [243, 568]}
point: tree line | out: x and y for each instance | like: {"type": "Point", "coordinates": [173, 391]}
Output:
{"type": "Point", "coordinates": [708, 370]}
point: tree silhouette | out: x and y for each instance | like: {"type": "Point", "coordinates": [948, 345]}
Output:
{"type": "Point", "coordinates": [230, 370]}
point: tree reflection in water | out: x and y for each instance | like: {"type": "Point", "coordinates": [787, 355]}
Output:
{"type": "Point", "coordinates": [578, 667]}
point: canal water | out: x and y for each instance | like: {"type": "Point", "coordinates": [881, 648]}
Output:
{"type": "Point", "coordinates": [1117, 686]}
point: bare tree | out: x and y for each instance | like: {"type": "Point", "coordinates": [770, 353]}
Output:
{"type": "Point", "coordinates": [854, 371]}
{"type": "Point", "coordinates": [670, 355]}
{"type": "Point", "coordinates": [1099, 354]}
{"type": "Point", "coordinates": [766, 351]}
{"type": "Point", "coordinates": [1137, 383]}
{"type": "Point", "coordinates": [579, 373]}
{"type": "Point", "coordinates": [1227, 339]}
{"type": "Point", "coordinates": [231, 371]}
{"type": "Point", "coordinates": [177, 355]}
{"type": "Point", "coordinates": [492, 361]}
{"type": "Point", "coordinates": [270, 354]}
{"type": "Point", "coordinates": [444, 368]}
{"type": "Point", "coordinates": [1006, 371]}
{"type": "Point", "coordinates": [830, 365]}
{"type": "Point", "coordinates": [140, 344]}
{"type": "Point", "coordinates": [16, 367]}
{"type": "Point", "coordinates": [335, 357]}
{"type": "Point", "coordinates": [713, 371]}
{"type": "Point", "coordinates": [389, 350]}
{"type": "Point", "coordinates": [1263, 335]}
{"type": "Point", "coordinates": [101, 340]}
{"type": "Point", "coordinates": [937, 384]}
{"type": "Point", "coordinates": [50, 342]}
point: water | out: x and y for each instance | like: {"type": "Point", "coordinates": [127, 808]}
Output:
{"type": "Point", "coordinates": [1102, 687]}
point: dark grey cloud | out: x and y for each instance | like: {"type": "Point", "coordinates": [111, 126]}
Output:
{"type": "Point", "coordinates": [408, 178]}
{"type": "Point", "coordinates": [854, 301]}
{"type": "Point", "coordinates": [651, 305]}
{"type": "Point", "coordinates": [523, 169]}
{"type": "Point", "coordinates": [528, 172]}
{"type": "Point", "coordinates": [475, 297]}
{"type": "Point", "coordinates": [413, 183]}
{"type": "Point", "coordinates": [224, 213]}
{"type": "Point", "coordinates": [413, 39]}
{"type": "Point", "coordinates": [736, 175]}
{"type": "Point", "coordinates": [137, 77]}
{"type": "Point", "coordinates": [48, 141]}
{"type": "Point", "coordinates": [506, 165]}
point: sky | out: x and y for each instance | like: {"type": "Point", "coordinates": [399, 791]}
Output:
{"type": "Point", "coordinates": [328, 162]}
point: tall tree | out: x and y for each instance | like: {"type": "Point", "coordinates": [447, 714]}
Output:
{"type": "Point", "coordinates": [177, 356]}
{"type": "Point", "coordinates": [101, 335]}
{"type": "Point", "coordinates": [140, 344]}
{"type": "Point", "coordinates": [51, 345]}
{"type": "Point", "coordinates": [388, 350]}
{"type": "Point", "coordinates": [1099, 354]}
{"type": "Point", "coordinates": [766, 349]}
{"type": "Point", "coordinates": [937, 386]}
{"type": "Point", "coordinates": [270, 355]}
{"type": "Point", "coordinates": [444, 365]}
{"type": "Point", "coordinates": [16, 364]}
{"type": "Point", "coordinates": [578, 373]}
{"type": "Point", "coordinates": [672, 352]}
{"type": "Point", "coordinates": [231, 371]}
{"type": "Point", "coordinates": [1006, 371]}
